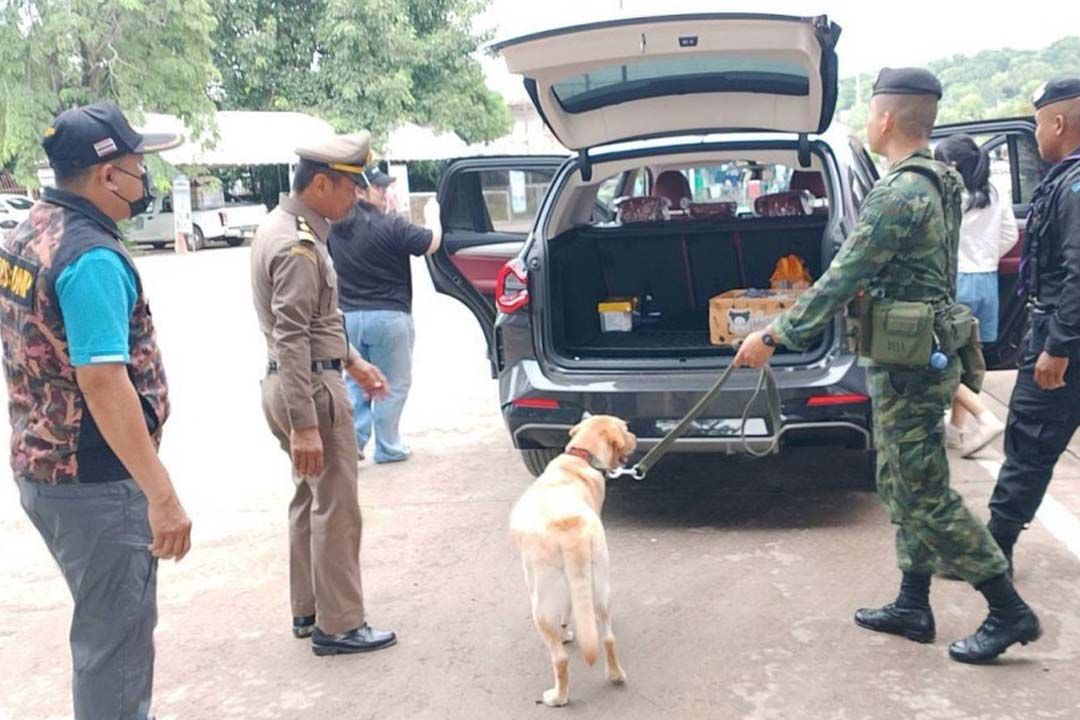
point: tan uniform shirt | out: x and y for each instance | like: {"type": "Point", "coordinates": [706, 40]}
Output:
{"type": "Point", "coordinates": [295, 291]}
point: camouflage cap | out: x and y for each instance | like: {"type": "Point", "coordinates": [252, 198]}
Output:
{"type": "Point", "coordinates": [1055, 91]}
{"type": "Point", "coordinates": [348, 154]}
{"type": "Point", "coordinates": [907, 81]}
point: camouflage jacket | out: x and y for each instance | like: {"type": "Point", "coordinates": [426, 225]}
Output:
{"type": "Point", "coordinates": [902, 248]}
{"type": "Point", "coordinates": [54, 438]}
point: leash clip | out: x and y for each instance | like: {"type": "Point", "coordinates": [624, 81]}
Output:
{"type": "Point", "coordinates": [634, 472]}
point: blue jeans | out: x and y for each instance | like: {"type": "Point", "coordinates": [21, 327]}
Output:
{"type": "Point", "coordinates": [979, 291]}
{"type": "Point", "coordinates": [385, 339]}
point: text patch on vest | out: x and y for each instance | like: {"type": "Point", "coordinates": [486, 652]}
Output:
{"type": "Point", "coordinates": [18, 279]}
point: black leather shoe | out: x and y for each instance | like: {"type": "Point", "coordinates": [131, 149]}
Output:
{"type": "Point", "coordinates": [302, 627]}
{"type": "Point", "coordinates": [995, 636]}
{"type": "Point", "coordinates": [917, 625]}
{"type": "Point", "coordinates": [363, 639]}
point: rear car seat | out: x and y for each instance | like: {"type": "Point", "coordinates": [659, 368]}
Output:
{"type": "Point", "coordinates": [793, 203]}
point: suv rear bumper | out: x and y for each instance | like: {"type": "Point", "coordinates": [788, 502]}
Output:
{"type": "Point", "coordinates": [652, 404]}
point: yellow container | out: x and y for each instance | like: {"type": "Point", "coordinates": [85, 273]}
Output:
{"type": "Point", "coordinates": [617, 314]}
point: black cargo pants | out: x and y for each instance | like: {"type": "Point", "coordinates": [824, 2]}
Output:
{"type": "Point", "coordinates": [1041, 423]}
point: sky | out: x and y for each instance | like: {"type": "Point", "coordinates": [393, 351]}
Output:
{"type": "Point", "coordinates": [920, 30]}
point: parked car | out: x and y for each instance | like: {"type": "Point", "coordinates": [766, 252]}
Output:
{"type": "Point", "coordinates": [230, 223]}
{"type": "Point", "coordinates": [13, 210]}
{"type": "Point", "coordinates": [711, 99]}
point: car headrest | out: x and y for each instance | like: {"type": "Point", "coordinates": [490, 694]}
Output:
{"type": "Point", "coordinates": [785, 204]}
{"type": "Point", "coordinates": [809, 180]}
{"type": "Point", "coordinates": [674, 186]}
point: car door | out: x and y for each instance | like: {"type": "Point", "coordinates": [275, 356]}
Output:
{"type": "Point", "coordinates": [1016, 171]}
{"type": "Point", "coordinates": [487, 209]}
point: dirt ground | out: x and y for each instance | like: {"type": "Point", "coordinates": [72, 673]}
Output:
{"type": "Point", "coordinates": [733, 581]}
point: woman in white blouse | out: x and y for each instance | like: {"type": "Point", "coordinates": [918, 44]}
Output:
{"type": "Point", "coordinates": [987, 233]}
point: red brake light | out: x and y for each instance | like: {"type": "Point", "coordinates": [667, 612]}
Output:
{"type": "Point", "coordinates": [223, 218]}
{"type": "Point", "coordinates": [832, 400]}
{"type": "Point", "coordinates": [512, 287]}
{"type": "Point", "coordinates": [535, 403]}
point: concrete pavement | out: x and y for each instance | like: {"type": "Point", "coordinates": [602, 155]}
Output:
{"type": "Point", "coordinates": [733, 581]}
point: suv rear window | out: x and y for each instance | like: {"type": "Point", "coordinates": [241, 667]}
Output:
{"type": "Point", "coordinates": [739, 182]}
{"type": "Point", "coordinates": [700, 73]}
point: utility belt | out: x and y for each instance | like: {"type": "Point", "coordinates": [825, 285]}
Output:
{"type": "Point", "coordinates": [317, 366]}
{"type": "Point", "coordinates": [907, 334]}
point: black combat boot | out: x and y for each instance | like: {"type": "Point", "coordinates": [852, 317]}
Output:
{"type": "Point", "coordinates": [1010, 621]}
{"type": "Point", "coordinates": [1005, 533]}
{"type": "Point", "coordinates": [910, 616]}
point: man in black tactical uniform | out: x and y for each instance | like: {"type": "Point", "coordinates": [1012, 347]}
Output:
{"type": "Point", "coordinates": [1044, 411]}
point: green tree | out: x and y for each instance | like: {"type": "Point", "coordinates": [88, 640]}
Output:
{"type": "Point", "coordinates": [56, 54]}
{"type": "Point", "coordinates": [989, 84]}
{"type": "Point", "coordinates": [359, 63]}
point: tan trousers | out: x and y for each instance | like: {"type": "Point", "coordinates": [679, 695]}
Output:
{"type": "Point", "coordinates": [324, 516]}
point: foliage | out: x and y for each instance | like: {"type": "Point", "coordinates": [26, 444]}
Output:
{"type": "Point", "coordinates": [56, 54]}
{"type": "Point", "coordinates": [990, 84]}
{"type": "Point", "coordinates": [358, 63]}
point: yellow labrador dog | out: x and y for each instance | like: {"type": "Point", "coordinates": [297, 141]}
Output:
{"type": "Point", "coordinates": [556, 526]}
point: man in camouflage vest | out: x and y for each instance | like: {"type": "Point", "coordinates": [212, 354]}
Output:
{"type": "Point", "coordinates": [904, 248]}
{"type": "Point", "coordinates": [88, 399]}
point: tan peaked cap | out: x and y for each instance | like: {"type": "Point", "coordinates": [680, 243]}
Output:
{"type": "Point", "coordinates": [349, 153]}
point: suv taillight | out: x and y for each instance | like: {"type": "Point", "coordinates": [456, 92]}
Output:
{"type": "Point", "coordinates": [512, 287]}
{"type": "Point", "coordinates": [224, 219]}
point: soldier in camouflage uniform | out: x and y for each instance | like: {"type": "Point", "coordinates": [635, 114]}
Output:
{"type": "Point", "coordinates": [904, 248]}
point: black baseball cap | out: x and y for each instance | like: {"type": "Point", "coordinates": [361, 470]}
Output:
{"type": "Point", "coordinates": [92, 134]}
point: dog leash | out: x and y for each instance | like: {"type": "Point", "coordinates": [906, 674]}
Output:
{"type": "Point", "coordinates": [766, 381]}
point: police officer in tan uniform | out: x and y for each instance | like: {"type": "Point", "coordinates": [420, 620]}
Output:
{"type": "Point", "coordinates": [304, 395]}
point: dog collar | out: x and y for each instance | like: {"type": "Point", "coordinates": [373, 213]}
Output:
{"type": "Point", "coordinates": [587, 457]}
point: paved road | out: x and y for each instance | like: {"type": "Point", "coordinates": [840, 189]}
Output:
{"type": "Point", "coordinates": [734, 582]}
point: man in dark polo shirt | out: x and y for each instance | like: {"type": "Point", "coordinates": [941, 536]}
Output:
{"type": "Point", "coordinates": [371, 252]}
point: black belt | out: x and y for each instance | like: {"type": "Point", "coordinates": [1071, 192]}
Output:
{"type": "Point", "coordinates": [317, 366]}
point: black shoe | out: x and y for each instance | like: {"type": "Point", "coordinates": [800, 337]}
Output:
{"type": "Point", "coordinates": [302, 627]}
{"type": "Point", "coordinates": [995, 636]}
{"type": "Point", "coordinates": [363, 639]}
{"type": "Point", "coordinates": [917, 624]}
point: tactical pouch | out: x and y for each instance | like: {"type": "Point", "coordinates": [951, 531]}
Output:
{"type": "Point", "coordinates": [901, 333]}
{"type": "Point", "coordinates": [971, 357]}
{"type": "Point", "coordinates": [953, 326]}
{"type": "Point", "coordinates": [859, 325]}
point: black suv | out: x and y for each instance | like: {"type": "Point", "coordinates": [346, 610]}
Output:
{"type": "Point", "coordinates": [703, 155]}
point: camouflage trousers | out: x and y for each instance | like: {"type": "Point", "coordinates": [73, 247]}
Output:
{"type": "Point", "coordinates": [935, 530]}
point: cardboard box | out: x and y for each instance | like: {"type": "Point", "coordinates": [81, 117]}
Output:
{"type": "Point", "coordinates": [737, 313]}
{"type": "Point", "coordinates": [617, 314]}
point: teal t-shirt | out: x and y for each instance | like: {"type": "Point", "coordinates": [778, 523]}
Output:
{"type": "Point", "coordinates": [97, 294]}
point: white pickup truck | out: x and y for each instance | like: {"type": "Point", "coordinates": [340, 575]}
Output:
{"type": "Point", "coordinates": [230, 223]}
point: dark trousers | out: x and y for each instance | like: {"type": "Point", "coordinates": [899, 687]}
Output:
{"type": "Point", "coordinates": [98, 533]}
{"type": "Point", "coordinates": [1041, 423]}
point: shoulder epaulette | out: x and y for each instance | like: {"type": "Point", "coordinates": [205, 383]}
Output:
{"type": "Point", "coordinates": [303, 248]}
{"type": "Point", "coordinates": [304, 233]}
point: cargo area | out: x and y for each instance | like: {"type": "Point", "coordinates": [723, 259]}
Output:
{"type": "Point", "coordinates": [673, 269]}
